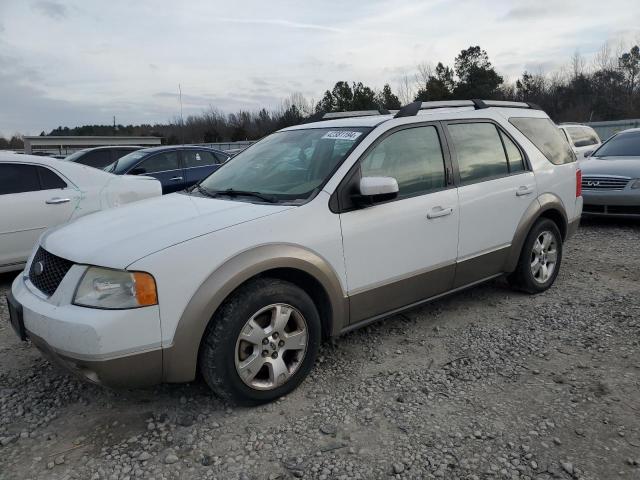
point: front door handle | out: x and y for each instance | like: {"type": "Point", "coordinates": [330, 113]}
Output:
{"type": "Point", "coordinates": [437, 212]}
{"type": "Point", "coordinates": [175, 179]}
{"type": "Point", "coordinates": [57, 200]}
{"type": "Point", "coordinates": [524, 190]}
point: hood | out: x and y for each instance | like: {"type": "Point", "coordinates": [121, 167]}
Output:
{"type": "Point", "coordinates": [615, 166]}
{"type": "Point", "coordinates": [117, 237]}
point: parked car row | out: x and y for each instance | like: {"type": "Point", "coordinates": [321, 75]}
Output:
{"type": "Point", "coordinates": [176, 167]}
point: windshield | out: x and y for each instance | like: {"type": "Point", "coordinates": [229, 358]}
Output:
{"type": "Point", "coordinates": [621, 145]}
{"type": "Point", "coordinates": [288, 165]}
{"type": "Point", "coordinates": [123, 164]}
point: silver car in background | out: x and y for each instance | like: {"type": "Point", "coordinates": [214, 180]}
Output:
{"type": "Point", "coordinates": [611, 177]}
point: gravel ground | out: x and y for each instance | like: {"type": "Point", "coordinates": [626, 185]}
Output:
{"type": "Point", "coordinates": [486, 384]}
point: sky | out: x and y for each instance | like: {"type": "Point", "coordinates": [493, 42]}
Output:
{"type": "Point", "coordinates": [82, 62]}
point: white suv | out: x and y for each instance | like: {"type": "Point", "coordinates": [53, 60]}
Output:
{"type": "Point", "coordinates": [313, 231]}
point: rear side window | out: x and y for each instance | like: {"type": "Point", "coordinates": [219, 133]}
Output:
{"type": "Point", "coordinates": [160, 163]}
{"type": "Point", "coordinates": [49, 180]}
{"type": "Point", "coordinates": [544, 134]}
{"type": "Point", "coordinates": [18, 178]}
{"type": "Point", "coordinates": [479, 151]}
{"type": "Point", "coordinates": [199, 158]}
{"type": "Point", "coordinates": [582, 136]}
{"type": "Point", "coordinates": [412, 156]}
{"type": "Point", "coordinates": [514, 155]}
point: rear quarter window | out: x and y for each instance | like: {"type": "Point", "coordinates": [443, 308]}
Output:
{"type": "Point", "coordinates": [546, 136]}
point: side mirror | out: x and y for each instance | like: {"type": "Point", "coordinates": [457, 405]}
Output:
{"type": "Point", "coordinates": [138, 171]}
{"type": "Point", "coordinates": [588, 153]}
{"type": "Point", "coordinates": [377, 189]}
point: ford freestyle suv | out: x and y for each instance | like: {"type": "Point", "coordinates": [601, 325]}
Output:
{"type": "Point", "coordinates": [313, 231]}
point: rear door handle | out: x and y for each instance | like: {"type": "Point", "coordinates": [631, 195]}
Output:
{"type": "Point", "coordinates": [175, 179]}
{"type": "Point", "coordinates": [57, 200]}
{"type": "Point", "coordinates": [524, 190]}
{"type": "Point", "coordinates": [437, 212]}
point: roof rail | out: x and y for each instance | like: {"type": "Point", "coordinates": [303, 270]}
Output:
{"type": "Point", "coordinates": [358, 113]}
{"type": "Point", "coordinates": [412, 109]}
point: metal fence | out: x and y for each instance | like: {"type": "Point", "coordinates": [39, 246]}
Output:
{"type": "Point", "coordinates": [606, 129]}
{"type": "Point", "coordinates": [225, 146]}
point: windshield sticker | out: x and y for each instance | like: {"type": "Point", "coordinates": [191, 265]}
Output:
{"type": "Point", "coordinates": [341, 135]}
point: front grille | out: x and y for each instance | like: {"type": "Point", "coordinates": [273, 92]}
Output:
{"type": "Point", "coordinates": [612, 209]}
{"type": "Point", "coordinates": [604, 183]}
{"type": "Point", "coordinates": [47, 271]}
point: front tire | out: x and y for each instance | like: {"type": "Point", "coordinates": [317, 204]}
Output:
{"type": "Point", "coordinates": [261, 343]}
{"type": "Point", "coordinates": [540, 258]}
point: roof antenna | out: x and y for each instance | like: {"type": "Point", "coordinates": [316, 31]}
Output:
{"type": "Point", "coordinates": [181, 116]}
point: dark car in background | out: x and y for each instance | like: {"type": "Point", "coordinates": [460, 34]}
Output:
{"type": "Point", "coordinates": [611, 177]}
{"type": "Point", "coordinates": [100, 157]}
{"type": "Point", "coordinates": [177, 167]}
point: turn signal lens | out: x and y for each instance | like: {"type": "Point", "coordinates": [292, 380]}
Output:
{"type": "Point", "coordinates": [145, 288]}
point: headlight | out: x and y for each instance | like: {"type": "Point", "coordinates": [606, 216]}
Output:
{"type": "Point", "coordinates": [115, 289]}
{"type": "Point", "coordinates": [636, 184]}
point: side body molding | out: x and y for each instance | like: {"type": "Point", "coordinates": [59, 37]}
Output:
{"type": "Point", "coordinates": [179, 361]}
{"type": "Point", "coordinates": [544, 203]}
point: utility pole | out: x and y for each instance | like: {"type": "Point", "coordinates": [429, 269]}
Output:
{"type": "Point", "coordinates": [181, 116]}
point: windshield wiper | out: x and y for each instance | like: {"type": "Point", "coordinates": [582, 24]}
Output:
{"type": "Point", "coordinates": [232, 193]}
{"type": "Point", "coordinates": [202, 190]}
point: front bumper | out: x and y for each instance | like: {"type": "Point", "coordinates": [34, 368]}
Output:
{"type": "Point", "coordinates": [115, 348]}
{"type": "Point", "coordinates": [613, 203]}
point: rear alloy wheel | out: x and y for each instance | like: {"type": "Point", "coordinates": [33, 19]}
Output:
{"type": "Point", "coordinates": [540, 258]}
{"type": "Point", "coordinates": [544, 256]}
{"type": "Point", "coordinates": [261, 343]}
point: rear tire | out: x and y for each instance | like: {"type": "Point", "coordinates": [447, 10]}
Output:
{"type": "Point", "coordinates": [261, 343]}
{"type": "Point", "coordinates": [540, 258]}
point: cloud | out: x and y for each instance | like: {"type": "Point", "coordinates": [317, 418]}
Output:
{"type": "Point", "coordinates": [527, 13]}
{"type": "Point", "coordinates": [277, 22]}
{"type": "Point", "coordinates": [51, 8]}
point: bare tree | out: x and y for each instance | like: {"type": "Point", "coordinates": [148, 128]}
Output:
{"type": "Point", "coordinates": [577, 65]}
{"type": "Point", "coordinates": [405, 90]}
{"type": "Point", "coordinates": [425, 71]}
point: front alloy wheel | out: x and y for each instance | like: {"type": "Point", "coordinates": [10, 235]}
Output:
{"type": "Point", "coordinates": [261, 343]}
{"type": "Point", "coordinates": [271, 346]}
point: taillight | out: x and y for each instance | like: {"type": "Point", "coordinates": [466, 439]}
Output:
{"type": "Point", "coordinates": [578, 183]}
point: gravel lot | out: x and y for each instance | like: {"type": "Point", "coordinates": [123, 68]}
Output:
{"type": "Point", "coordinates": [485, 384]}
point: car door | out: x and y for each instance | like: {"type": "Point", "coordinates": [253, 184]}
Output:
{"type": "Point", "coordinates": [404, 250]}
{"type": "Point", "coordinates": [32, 199]}
{"type": "Point", "coordinates": [198, 164]}
{"type": "Point", "coordinates": [166, 167]}
{"type": "Point", "coordinates": [495, 188]}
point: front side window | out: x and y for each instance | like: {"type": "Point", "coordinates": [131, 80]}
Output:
{"type": "Point", "coordinates": [17, 178]}
{"type": "Point", "coordinates": [96, 158]}
{"type": "Point", "coordinates": [621, 145]}
{"type": "Point", "coordinates": [287, 166]}
{"type": "Point", "coordinates": [479, 151]}
{"type": "Point", "coordinates": [545, 135]}
{"type": "Point", "coordinates": [160, 162]}
{"type": "Point", "coordinates": [412, 156]}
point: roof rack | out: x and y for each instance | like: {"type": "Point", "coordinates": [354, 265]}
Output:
{"type": "Point", "coordinates": [358, 113]}
{"type": "Point", "coordinates": [412, 109]}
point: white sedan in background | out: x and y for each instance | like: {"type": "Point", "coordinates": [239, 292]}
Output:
{"type": "Point", "coordinates": [37, 193]}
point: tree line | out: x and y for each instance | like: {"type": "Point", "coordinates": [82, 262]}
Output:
{"type": "Point", "coordinates": [607, 89]}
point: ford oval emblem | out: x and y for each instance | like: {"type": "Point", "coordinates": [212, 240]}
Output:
{"type": "Point", "coordinates": [38, 268]}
